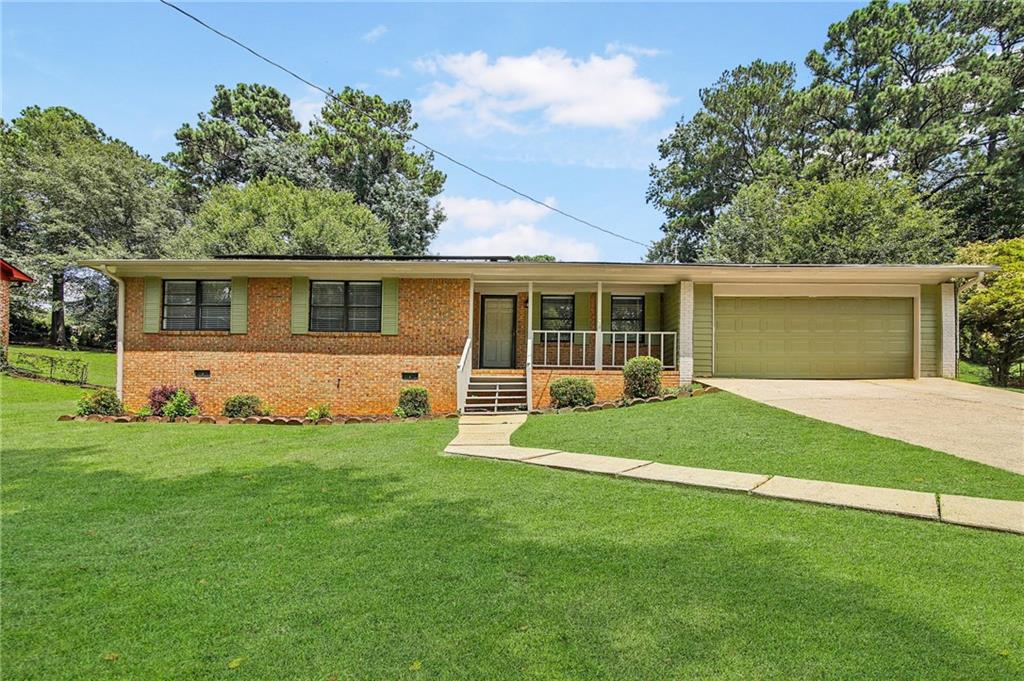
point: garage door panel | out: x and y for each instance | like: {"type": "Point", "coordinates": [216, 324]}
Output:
{"type": "Point", "coordinates": [814, 337]}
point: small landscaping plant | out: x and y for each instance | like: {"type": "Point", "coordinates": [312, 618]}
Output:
{"type": "Point", "coordinates": [398, 413]}
{"type": "Point", "coordinates": [161, 394]}
{"type": "Point", "coordinates": [414, 401]}
{"type": "Point", "coordinates": [244, 406]}
{"type": "Point", "coordinates": [144, 412]}
{"type": "Point", "coordinates": [572, 391]}
{"type": "Point", "coordinates": [103, 401]}
{"type": "Point", "coordinates": [182, 403]}
{"type": "Point", "coordinates": [642, 376]}
{"type": "Point", "coordinates": [320, 411]}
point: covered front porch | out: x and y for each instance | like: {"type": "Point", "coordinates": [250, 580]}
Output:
{"type": "Point", "coordinates": [539, 331]}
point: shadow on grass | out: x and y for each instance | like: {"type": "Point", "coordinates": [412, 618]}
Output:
{"type": "Point", "coordinates": [355, 570]}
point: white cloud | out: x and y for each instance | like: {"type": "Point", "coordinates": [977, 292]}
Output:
{"type": "Point", "coordinates": [390, 73]}
{"type": "Point", "coordinates": [599, 92]}
{"type": "Point", "coordinates": [375, 33]}
{"type": "Point", "coordinates": [616, 47]}
{"type": "Point", "coordinates": [483, 214]}
{"type": "Point", "coordinates": [308, 106]}
{"type": "Point", "coordinates": [484, 227]}
{"type": "Point", "coordinates": [524, 240]}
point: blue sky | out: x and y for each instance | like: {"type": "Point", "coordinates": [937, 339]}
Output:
{"type": "Point", "coordinates": [565, 102]}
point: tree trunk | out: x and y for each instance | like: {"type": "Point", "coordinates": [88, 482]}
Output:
{"type": "Point", "coordinates": [58, 334]}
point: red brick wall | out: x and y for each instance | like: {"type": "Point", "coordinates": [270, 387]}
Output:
{"type": "Point", "coordinates": [5, 314]}
{"type": "Point", "coordinates": [354, 373]}
{"type": "Point", "coordinates": [608, 382]}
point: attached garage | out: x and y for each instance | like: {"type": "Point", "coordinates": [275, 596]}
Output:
{"type": "Point", "coordinates": [802, 337]}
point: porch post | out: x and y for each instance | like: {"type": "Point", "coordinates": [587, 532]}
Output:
{"type": "Point", "coordinates": [685, 341]}
{"type": "Point", "coordinates": [529, 346]}
{"type": "Point", "coordinates": [598, 340]}
{"type": "Point", "coordinates": [949, 330]}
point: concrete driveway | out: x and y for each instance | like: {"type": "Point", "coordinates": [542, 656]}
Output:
{"type": "Point", "coordinates": [969, 421]}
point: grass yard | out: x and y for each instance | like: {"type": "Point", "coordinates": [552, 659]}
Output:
{"type": "Point", "coordinates": [732, 433]}
{"type": "Point", "coordinates": [102, 365]}
{"type": "Point", "coordinates": [251, 552]}
{"type": "Point", "coordinates": [979, 375]}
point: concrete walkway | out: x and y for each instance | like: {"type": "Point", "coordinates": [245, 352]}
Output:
{"type": "Point", "coordinates": [489, 437]}
{"type": "Point", "coordinates": [970, 421]}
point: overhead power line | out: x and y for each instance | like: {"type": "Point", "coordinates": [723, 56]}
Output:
{"type": "Point", "coordinates": [434, 150]}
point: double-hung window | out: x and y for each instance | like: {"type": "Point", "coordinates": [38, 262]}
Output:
{"type": "Point", "coordinates": [557, 313]}
{"type": "Point", "coordinates": [191, 305]}
{"type": "Point", "coordinates": [344, 306]}
{"type": "Point", "coordinates": [627, 313]}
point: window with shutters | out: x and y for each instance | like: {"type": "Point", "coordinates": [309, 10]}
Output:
{"type": "Point", "coordinates": [344, 306]}
{"type": "Point", "coordinates": [627, 313]}
{"type": "Point", "coordinates": [191, 305]}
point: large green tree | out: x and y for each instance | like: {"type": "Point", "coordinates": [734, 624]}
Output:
{"type": "Point", "coordinates": [359, 144]}
{"type": "Point", "coordinates": [992, 313]}
{"type": "Point", "coordinates": [866, 219]}
{"type": "Point", "coordinates": [240, 120]}
{"type": "Point", "coordinates": [931, 91]}
{"type": "Point", "coordinates": [275, 217]}
{"type": "Point", "coordinates": [747, 127]}
{"type": "Point", "coordinates": [76, 193]}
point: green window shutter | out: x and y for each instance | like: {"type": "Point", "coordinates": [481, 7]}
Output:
{"type": "Point", "coordinates": [239, 304]}
{"type": "Point", "coordinates": [652, 312]}
{"type": "Point", "coordinates": [535, 311]}
{"type": "Point", "coordinates": [300, 305]}
{"type": "Point", "coordinates": [582, 322]}
{"type": "Point", "coordinates": [151, 304]}
{"type": "Point", "coordinates": [389, 307]}
{"type": "Point", "coordinates": [606, 315]}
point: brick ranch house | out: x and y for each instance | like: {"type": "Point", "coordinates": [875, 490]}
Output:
{"type": "Point", "coordinates": [487, 333]}
{"type": "Point", "coordinates": [8, 274]}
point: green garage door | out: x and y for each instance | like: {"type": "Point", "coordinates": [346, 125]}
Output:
{"type": "Point", "coordinates": [814, 337]}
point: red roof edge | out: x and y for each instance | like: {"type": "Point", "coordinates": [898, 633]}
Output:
{"type": "Point", "coordinates": [12, 273]}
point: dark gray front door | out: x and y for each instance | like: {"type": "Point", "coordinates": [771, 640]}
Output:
{"type": "Point", "coordinates": [497, 332]}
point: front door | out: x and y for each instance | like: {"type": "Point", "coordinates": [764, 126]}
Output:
{"type": "Point", "coordinates": [498, 332]}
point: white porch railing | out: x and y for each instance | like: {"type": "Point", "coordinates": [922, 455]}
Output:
{"type": "Point", "coordinates": [563, 349]}
{"type": "Point", "coordinates": [621, 346]}
{"type": "Point", "coordinates": [463, 373]}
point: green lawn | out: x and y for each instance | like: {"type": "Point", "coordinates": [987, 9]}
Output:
{"type": "Point", "coordinates": [978, 374]}
{"type": "Point", "coordinates": [102, 365]}
{"type": "Point", "coordinates": [728, 432]}
{"type": "Point", "coordinates": [259, 552]}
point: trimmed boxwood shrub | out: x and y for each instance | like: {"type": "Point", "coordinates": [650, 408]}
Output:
{"type": "Point", "coordinates": [414, 401]}
{"type": "Point", "coordinates": [182, 403]}
{"type": "Point", "coordinates": [572, 391]}
{"type": "Point", "coordinates": [103, 401]}
{"type": "Point", "coordinates": [160, 395]}
{"type": "Point", "coordinates": [642, 376]}
{"type": "Point", "coordinates": [244, 406]}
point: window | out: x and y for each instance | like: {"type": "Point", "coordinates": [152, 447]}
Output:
{"type": "Point", "coordinates": [557, 313]}
{"type": "Point", "coordinates": [627, 313]}
{"type": "Point", "coordinates": [190, 305]}
{"type": "Point", "coordinates": [344, 306]}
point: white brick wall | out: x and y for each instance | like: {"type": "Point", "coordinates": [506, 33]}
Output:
{"type": "Point", "coordinates": [685, 332]}
{"type": "Point", "coordinates": [949, 330]}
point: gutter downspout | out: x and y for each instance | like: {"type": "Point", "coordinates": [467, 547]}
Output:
{"type": "Point", "coordinates": [958, 289]}
{"type": "Point", "coordinates": [109, 272]}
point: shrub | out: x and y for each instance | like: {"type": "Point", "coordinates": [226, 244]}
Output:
{"type": "Point", "coordinates": [320, 411]}
{"type": "Point", "coordinates": [144, 411]}
{"type": "Point", "coordinates": [103, 401]}
{"type": "Point", "coordinates": [414, 401]}
{"type": "Point", "coordinates": [398, 413]}
{"type": "Point", "coordinates": [244, 406]}
{"type": "Point", "coordinates": [642, 376]}
{"type": "Point", "coordinates": [161, 394]}
{"type": "Point", "coordinates": [182, 403]}
{"type": "Point", "coordinates": [572, 391]}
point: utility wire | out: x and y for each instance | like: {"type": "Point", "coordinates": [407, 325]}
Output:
{"type": "Point", "coordinates": [421, 143]}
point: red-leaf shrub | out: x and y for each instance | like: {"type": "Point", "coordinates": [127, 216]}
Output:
{"type": "Point", "coordinates": [159, 395]}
